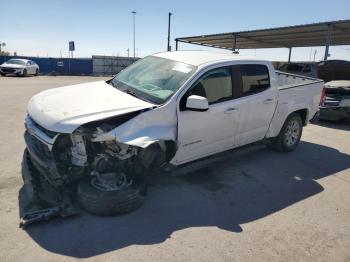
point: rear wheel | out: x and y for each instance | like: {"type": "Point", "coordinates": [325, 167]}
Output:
{"type": "Point", "coordinates": [3, 74]}
{"type": "Point", "coordinates": [290, 134]}
{"type": "Point", "coordinates": [36, 72]}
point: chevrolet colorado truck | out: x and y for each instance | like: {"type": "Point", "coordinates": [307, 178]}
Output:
{"type": "Point", "coordinates": [97, 142]}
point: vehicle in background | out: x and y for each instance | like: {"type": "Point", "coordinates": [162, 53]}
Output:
{"type": "Point", "coordinates": [305, 69]}
{"type": "Point", "coordinates": [102, 139]}
{"type": "Point", "coordinates": [336, 106]}
{"type": "Point", "coordinates": [334, 70]}
{"type": "Point", "coordinates": [19, 67]}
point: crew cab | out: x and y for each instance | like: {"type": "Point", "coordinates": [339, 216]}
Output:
{"type": "Point", "coordinates": [98, 141]}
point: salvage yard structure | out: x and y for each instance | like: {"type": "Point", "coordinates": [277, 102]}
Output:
{"type": "Point", "coordinates": [308, 35]}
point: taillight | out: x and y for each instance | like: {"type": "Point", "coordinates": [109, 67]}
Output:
{"type": "Point", "coordinates": [323, 96]}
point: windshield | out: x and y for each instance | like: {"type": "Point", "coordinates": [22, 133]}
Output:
{"type": "Point", "coordinates": [153, 78]}
{"type": "Point", "coordinates": [16, 62]}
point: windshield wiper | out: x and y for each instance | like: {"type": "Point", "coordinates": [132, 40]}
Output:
{"type": "Point", "coordinates": [132, 93]}
{"type": "Point", "coordinates": [112, 84]}
{"type": "Point", "coordinates": [129, 92]}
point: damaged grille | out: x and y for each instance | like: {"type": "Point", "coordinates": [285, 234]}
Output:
{"type": "Point", "coordinates": [39, 147]}
{"type": "Point", "coordinates": [49, 133]}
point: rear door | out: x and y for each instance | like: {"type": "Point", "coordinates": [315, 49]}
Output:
{"type": "Point", "coordinates": [204, 133]}
{"type": "Point", "coordinates": [30, 67]}
{"type": "Point", "coordinates": [257, 103]}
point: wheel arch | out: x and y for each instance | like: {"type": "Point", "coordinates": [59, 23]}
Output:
{"type": "Point", "coordinates": [280, 118]}
{"type": "Point", "coordinates": [158, 153]}
{"type": "Point", "coordinates": [304, 114]}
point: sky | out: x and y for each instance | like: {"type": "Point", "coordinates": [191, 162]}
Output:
{"type": "Point", "coordinates": [105, 27]}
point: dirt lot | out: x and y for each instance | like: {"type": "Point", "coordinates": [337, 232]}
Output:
{"type": "Point", "coordinates": [257, 205]}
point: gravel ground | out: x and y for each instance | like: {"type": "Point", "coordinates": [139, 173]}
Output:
{"type": "Point", "coordinates": [257, 205]}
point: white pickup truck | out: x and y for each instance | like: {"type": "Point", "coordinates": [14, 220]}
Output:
{"type": "Point", "coordinates": [98, 140]}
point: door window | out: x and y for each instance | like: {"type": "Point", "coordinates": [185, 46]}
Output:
{"type": "Point", "coordinates": [215, 85]}
{"type": "Point", "coordinates": [255, 79]}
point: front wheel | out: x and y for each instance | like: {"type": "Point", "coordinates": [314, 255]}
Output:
{"type": "Point", "coordinates": [110, 195]}
{"type": "Point", "coordinates": [289, 136]}
{"type": "Point", "coordinates": [24, 72]}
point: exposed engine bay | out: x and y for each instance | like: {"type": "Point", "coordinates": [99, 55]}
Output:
{"type": "Point", "coordinates": [84, 166]}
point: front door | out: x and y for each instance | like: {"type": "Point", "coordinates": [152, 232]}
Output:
{"type": "Point", "coordinates": [204, 133]}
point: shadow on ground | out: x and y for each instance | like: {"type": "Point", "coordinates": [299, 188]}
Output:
{"type": "Point", "coordinates": [245, 187]}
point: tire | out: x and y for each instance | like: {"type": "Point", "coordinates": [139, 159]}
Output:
{"type": "Point", "coordinates": [2, 74]}
{"type": "Point", "coordinates": [24, 72]}
{"type": "Point", "coordinates": [100, 202]}
{"type": "Point", "coordinates": [36, 72]}
{"type": "Point", "coordinates": [289, 136]}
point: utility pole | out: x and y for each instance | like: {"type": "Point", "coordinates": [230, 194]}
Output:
{"type": "Point", "coordinates": [169, 47]}
{"type": "Point", "coordinates": [133, 18]}
{"type": "Point", "coordinates": [128, 51]}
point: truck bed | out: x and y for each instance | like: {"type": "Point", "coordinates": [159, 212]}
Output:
{"type": "Point", "coordinates": [296, 90]}
{"type": "Point", "coordinates": [295, 93]}
{"type": "Point", "coordinates": [286, 80]}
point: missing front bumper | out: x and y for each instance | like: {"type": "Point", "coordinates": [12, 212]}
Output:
{"type": "Point", "coordinates": [41, 200]}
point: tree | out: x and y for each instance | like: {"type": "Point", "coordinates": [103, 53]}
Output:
{"type": "Point", "coordinates": [2, 44]}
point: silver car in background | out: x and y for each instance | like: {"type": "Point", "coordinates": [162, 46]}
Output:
{"type": "Point", "coordinates": [19, 67]}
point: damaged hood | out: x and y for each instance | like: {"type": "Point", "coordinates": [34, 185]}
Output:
{"type": "Point", "coordinates": [66, 108]}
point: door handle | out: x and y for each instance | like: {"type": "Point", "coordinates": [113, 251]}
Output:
{"type": "Point", "coordinates": [268, 101]}
{"type": "Point", "coordinates": [230, 110]}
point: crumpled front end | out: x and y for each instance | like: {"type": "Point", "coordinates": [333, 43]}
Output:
{"type": "Point", "coordinates": [56, 163]}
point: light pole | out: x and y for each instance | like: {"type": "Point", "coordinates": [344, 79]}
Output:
{"type": "Point", "coordinates": [133, 18]}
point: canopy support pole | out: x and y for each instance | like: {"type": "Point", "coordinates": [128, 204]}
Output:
{"type": "Point", "coordinates": [328, 42]}
{"type": "Point", "coordinates": [234, 43]}
{"type": "Point", "coordinates": [290, 54]}
{"type": "Point", "coordinates": [176, 44]}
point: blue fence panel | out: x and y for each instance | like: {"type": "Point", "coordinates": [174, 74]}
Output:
{"type": "Point", "coordinates": [61, 66]}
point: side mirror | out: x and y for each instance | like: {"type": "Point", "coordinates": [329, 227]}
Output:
{"type": "Point", "coordinates": [197, 103]}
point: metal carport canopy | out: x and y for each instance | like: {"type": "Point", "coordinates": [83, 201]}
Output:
{"type": "Point", "coordinates": [317, 34]}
